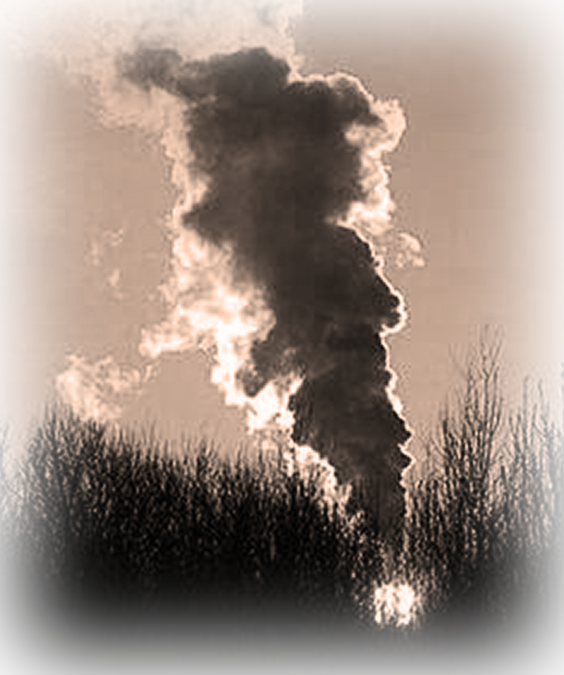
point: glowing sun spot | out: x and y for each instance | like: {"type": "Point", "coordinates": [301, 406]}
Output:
{"type": "Point", "coordinates": [395, 604]}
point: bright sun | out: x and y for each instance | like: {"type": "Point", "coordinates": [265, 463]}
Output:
{"type": "Point", "coordinates": [396, 604]}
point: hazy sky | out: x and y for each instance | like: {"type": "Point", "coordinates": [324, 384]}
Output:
{"type": "Point", "coordinates": [471, 178]}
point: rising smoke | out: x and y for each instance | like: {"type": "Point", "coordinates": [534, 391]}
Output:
{"type": "Point", "coordinates": [292, 172]}
{"type": "Point", "coordinates": [281, 176]}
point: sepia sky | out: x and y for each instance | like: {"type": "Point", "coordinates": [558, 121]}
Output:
{"type": "Point", "coordinates": [475, 238]}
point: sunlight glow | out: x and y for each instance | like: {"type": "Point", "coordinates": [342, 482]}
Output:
{"type": "Point", "coordinates": [396, 604]}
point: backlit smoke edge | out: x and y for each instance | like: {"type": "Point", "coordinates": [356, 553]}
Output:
{"type": "Point", "coordinates": [283, 286]}
{"type": "Point", "coordinates": [275, 265]}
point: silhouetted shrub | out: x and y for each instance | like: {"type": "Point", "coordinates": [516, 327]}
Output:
{"type": "Point", "coordinates": [119, 520]}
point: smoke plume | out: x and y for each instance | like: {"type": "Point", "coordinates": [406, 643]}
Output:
{"type": "Point", "coordinates": [292, 199]}
{"type": "Point", "coordinates": [98, 390]}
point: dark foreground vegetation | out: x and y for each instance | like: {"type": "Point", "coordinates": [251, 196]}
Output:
{"type": "Point", "coordinates": [111, 520]}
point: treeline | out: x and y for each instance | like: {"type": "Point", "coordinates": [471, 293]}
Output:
{"type": "Point", "coordinates": [114, 519]}
{"type": "Point", "coordinates": [483, 533]}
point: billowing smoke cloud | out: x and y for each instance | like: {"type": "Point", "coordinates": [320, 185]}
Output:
{"type": "Point", "coordinates": [84, 42]}
{"type": "Point", "coordinates": [281, 177]}
{"type": "Point", "coordinates": [291, 173]}
{"type": "Point", "coordinates": [409, 251]}
{"type": "Point", "coordinates": [98, 390]}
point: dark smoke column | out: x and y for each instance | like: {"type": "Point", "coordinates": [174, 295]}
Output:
{"type": "Point", "coordinates": [281, 174]}
{"type": "Point", "coordinates": [342, 415]}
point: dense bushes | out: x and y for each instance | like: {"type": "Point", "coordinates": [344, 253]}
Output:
{"type": "Point", "coordinates": [485, 515]}
{"type": "Point", "coordinates": [120, 519]}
